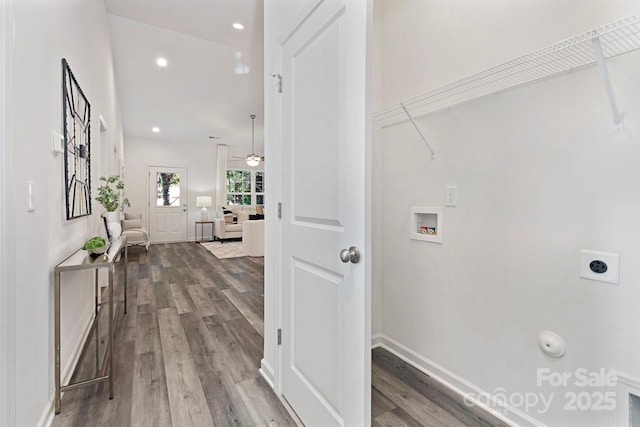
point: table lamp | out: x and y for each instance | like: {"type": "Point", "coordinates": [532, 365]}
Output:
{"type": "Point", "coordinates": [204, 202]}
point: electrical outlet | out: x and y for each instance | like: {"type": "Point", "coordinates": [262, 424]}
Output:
{"type": "Point", "coordinates": [600, 266]}
{"type": "Point", "coordinates": [451, 196]}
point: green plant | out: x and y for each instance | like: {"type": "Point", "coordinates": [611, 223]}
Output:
{"type": "Point", "coordinates": [111, 192]}
{"type": "Point", "coordinates": [94, 242]}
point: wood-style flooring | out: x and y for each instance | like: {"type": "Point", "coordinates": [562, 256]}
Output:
{"type": "Point", "coordinates": [187, 354]}
{"type": "Point", "coordinates": [401, 395]}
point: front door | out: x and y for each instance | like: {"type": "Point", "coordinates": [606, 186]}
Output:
{"type": "Point", "coordinates": [167, 204]}
{"type": "Point", "coordinates": [326, 341]}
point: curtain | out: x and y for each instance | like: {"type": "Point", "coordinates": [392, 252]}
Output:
{"type": "Point", "coordinates": [221, 176]}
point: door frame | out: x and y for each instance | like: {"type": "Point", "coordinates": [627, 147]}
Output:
{"type": "Point", "coordinates": [273, 275]}
{"type": "Point", "coordinates": [7, 243]}
{"type": "Point", "coordinates": [188, 195]}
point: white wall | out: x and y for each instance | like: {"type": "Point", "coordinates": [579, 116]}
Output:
{"type": "Point", "coordinates": [198, 157]}
{"type": "Point", "coordinates": [44, 33]}
{"type": "Point", "coordinates": [540, 176]}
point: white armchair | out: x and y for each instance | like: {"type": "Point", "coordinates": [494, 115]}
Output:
{"type": "Point", "coordinates": [224, 226]}
{"type": "Point", "coordinates": [223, 230]}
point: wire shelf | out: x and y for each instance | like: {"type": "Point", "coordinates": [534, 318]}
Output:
{"type": "Point", "coordinates": [574, 53]}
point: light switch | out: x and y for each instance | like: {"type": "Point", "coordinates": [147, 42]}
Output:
{"type": "Point", "coordinates": [451, 195]}
{"type": "Point", "coordinates": [57, 143]}
{"type": "Point", "coordinates": [30, 197]}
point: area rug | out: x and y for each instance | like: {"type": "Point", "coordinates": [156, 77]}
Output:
{"type": "Point", "coordinates": [225, 250]}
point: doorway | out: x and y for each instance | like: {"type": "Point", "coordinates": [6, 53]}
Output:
{"type": "Point", "coordinates": [168, 204]}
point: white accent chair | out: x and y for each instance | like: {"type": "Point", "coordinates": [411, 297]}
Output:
{"type": "Point", "coordinates": [223, 230]}
{"type": "Point", "coordinates": [132, 228]}
{"type": "Point", "coordinates": [224, 226]}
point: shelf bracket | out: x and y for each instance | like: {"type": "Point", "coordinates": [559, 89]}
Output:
{"type": "Point", "coordinates": [618, 118]}
{"type": "Point", "coordinates": [433, 153]}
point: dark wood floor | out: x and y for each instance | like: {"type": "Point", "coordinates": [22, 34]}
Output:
{"type": "Point", "coordinates": [401, 395]}
{"type": "Point", "coordinates": [188, 352]}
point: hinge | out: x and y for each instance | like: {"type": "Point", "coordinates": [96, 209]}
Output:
{"type": "Point", "coordinates": [279, 84]}
{"type": "Point", "coordinates": [279, 336]}
{"type": "Point", "coordinates": [279, 210]}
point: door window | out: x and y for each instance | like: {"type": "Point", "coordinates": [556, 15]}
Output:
{"type": "Point", "coordinates": [168, 184]}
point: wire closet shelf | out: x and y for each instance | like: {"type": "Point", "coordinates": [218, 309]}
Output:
{"type": "Point", "coordinates": [583, 50]}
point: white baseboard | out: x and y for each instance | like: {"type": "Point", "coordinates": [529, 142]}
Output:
{"type": "Point", "coordinates": [625, 386]}
{"type": "Point", "coordinates": [376, 341]}
{"type": "Point", "coordinates": [464, 388]}
{"type": "Point", "coordinates": [46, 419]}
{"type": "Point", "coordinates": [267, 373]}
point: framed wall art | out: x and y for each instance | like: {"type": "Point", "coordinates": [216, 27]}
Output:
{"type": "Point", "coordinates": [76, 112]}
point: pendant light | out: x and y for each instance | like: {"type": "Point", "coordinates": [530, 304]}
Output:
{"type": "Point", "coordinates": [252, 159]}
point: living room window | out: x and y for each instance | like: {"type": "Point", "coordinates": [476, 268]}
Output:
{"type": "Point", "coordinates": [245, 187]}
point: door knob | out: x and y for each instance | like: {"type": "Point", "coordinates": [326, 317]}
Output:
{"type": "Point", "coordinates": [350, 255]}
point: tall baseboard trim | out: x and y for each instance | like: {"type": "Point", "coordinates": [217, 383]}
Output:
{"type": "Point", "coordinates": [267, 373]}
{"type": "Point", "coordinates": [376, 341]}
{"type": "Point", "coordinates": [464, 388]}
{"type": "Point", "coordinates": [46, 419]}
{"type": "Point", "coordinates": [626, 386]}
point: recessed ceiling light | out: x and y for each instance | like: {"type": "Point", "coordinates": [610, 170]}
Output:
{"type": "Point", "coordinates": [162, 62]}
{"type": "Point", "coordinates": [238, 26]}
{"type": "Point", "coordinates": [155, 129]}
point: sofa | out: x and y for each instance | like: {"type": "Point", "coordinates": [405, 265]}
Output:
{"type": "Point", "coordinates": [228, 224]}
{"type": "Point", "coordinates": [253, 237]}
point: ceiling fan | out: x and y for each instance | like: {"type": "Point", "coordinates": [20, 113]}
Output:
{"type": "Point", "coordinates": [252, 159]}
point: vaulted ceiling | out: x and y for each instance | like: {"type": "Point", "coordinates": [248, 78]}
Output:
{"type": "Point", "coordinates": [214, 77]}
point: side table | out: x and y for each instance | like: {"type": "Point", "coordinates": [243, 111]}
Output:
{"type": "Point", "coordinates": [195, 234]}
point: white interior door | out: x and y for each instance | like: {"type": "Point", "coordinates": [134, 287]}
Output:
{"type": "Point", "coordinates": [326, 341]}
{"type": "Point", "coordinates": [167, 204]}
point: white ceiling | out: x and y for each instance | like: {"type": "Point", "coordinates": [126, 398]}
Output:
{"type": "Point", "coordinates": [200, 93]}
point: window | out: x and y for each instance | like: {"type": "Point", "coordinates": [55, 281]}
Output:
{"type": "Point", "coordinates": [245, 187]}
{"type": "Point", "coordinates": [259, 188]}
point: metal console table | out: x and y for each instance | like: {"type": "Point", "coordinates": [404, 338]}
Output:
{"type": "Point", "coordinates": [82, 260]}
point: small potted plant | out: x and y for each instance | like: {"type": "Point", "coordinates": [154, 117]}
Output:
{"type": "Point", "coordinates": [110, 196]}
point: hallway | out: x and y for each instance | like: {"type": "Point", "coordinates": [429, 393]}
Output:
{"type": "Point", "coordinates": [188, 351]}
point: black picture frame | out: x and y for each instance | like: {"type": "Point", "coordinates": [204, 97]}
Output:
{"type": "Point", "coordinates": [76, 121]}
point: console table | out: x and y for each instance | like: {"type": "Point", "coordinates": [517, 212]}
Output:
{"type": "Point", "coordinates": [82, 260]}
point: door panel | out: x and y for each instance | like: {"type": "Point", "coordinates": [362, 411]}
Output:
{"type": "Point", "coordinates": [316, 125]}
{"type": "Point", "coordinates": [325, 356]}
{"type": "Point", "coordinates": [167, 204]}
{"type": "Point", "coordinates": [314, 342]}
